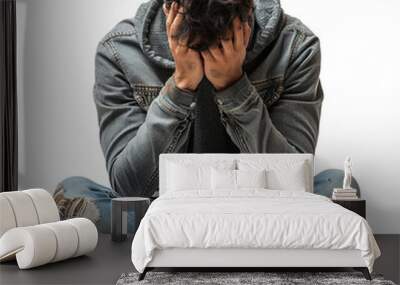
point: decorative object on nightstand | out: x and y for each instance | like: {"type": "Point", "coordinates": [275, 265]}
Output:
{"type": "Point", "coordinates": [358, 206]}
{"type": "Point", "coordinates": [119, 215]}
{"type": "Point", "coordinates": [347, 192]}
{"type": "Point", "coordinates": [347, 173]}
{"type": "Point", "coordinates": [347, 196]}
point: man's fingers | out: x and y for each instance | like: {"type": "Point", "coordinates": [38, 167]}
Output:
{"type": "Point", "coordinates": [237, 34]}
{"type": "Point", "coordinates": [177, 20]}
{"type": "Point", "coordinates": [171, 16]}
{"type": "Point", "coordinates": [227, 46]}
{"type": "Point", "coordinates": [182, 43]}
{"type": "Point", "coordinates": [246, 34]}
{"type": "Point", "coordinates": [164, 7]}
{"type": "Point", "coordinates": [216, 51]}
{"type": "Point", "coordinates": [174, 27]}
{"type": "Point", "coordinates": [194, 54]}
{"type": "Point", "coordinates": [207, 55]}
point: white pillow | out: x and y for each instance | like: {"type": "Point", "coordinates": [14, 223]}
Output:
{"type": "Point", "coordinates": [251, 178]}
{"type": "Point", "coordinates": [188, 175]}
{"type": "Point", "coordinates": [183, 178]}
{"type": "Point", "coordinates": [282, 174]}
{"type": "Point", "coordinates": [228, 179]}
{"type": "Point", "coordinates": [294, 178]}
{"type": "Point", "coordinates": [223, 179]}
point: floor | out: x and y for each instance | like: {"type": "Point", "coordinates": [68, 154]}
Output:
{"type": "Point", "coordinates": [389, 262]}
{"type": "Point", "coordinates": [110, 260]}
{"type": "Point", "coordinates": [102, 266]}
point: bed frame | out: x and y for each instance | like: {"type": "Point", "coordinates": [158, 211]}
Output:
{"type": "Point", "coordinates": [235, 259]}
{"type": "Point", "coordinates": [250, 259]}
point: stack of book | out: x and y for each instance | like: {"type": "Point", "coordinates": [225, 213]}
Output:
{"type": "Point", "coordinates": [344, 194]}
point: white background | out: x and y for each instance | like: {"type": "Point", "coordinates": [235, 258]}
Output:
{"type": "Point", "coordinates": [360, 76]}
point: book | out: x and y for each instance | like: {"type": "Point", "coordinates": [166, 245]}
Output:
{"type": "Point", "coordinates": [341, 190]}
{"type": "Point", "coordinates": [344, 197]}
{"type": "Point", "coordinates": [345, 194]}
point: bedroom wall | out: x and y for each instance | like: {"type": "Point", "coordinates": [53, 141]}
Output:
{"type": "Point", "coordinates": [360, 117]}
{"type": "Point", "coordinates": [58, 135]}
{"type": "Point", "coordinates": [58, 126]}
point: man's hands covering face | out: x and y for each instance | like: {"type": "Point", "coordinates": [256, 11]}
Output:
{"type": "Point", "coordinates": [223, 66]}
{"type": "Point", "coordinates": [221, 63]}
{"type": "Point", "coordinates": [188, 63]}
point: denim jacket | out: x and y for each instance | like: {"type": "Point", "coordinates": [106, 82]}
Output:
{"type": "Point", "coordinates": [273, 108]}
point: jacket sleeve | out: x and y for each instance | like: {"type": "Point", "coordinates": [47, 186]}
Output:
{"type": "Point", "coordinates": [131, 138]}
{"type": "Point", "coordinates": [291, 124]}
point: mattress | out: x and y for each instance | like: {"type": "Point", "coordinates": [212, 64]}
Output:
{"type": "Point", "coordinates": [250, 219]}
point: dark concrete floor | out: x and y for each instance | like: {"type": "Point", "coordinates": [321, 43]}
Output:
{"type": "Point", "coordinates": [102, 266]}
{"type": "Point", "coordinates": [389, 262]}
{"type": "Point", "coordinates": [110, 260]}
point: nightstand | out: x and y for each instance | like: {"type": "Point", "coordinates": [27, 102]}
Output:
{"type": "Point", "coordinates": [356, 205]}
{"type": "Point", "coordinates": [119, 215]}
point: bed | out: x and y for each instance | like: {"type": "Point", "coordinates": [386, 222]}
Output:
{"type": "Point", "coordinates": [247, 211]}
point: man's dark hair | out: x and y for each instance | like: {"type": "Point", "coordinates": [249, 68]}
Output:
{"type": "Point", "coordinates": [207, 21]}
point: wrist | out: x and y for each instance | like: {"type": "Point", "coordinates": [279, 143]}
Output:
{"type": "Point", "coordinates": [184, 84]}
{"type": "Point", "coordinates": [181, 99]}
{"type": "Point", "coordinates": [235, 95]}
{"type": "Point", "coordinates": [232, 80]}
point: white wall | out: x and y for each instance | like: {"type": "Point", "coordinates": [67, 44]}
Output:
{"type": "Point", "coordinates": [58, 121]}
{"type": "Point", "coordinates": [360, 76]}
{"type": "Point", "coordinates": [58, 125]}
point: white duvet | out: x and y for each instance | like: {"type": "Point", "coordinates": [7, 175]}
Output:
{"type": "Point", "coordinates": [251, 218]}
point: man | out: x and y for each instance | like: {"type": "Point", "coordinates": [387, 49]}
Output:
{"type": "Point", "coordinates": [207, 102]}
{"type": "Point", "coordinates": [198, 76]}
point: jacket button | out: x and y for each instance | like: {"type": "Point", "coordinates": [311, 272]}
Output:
{"type": "Point", "coordinates": [192, 105]}
{"type": "Point", "coordinates": [219, 101]}
{"type": "Point", "coordinates": [139, 99]}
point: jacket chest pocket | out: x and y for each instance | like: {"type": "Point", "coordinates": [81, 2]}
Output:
{"type": "Point", "coordinates": [145, 94]}
{"type": "Point", "coordinates": [270, 90]}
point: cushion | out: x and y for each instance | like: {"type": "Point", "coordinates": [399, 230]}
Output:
{"type": "Point", "coordinates": [188, 174]}
{"type": "Point", "coordinates": [223, 179]}
{"type": "Point", "coordinates": [40, 244]}
{"type": "Point", "coordinates": [293, 178]}
{"type": "Point", "coordinates": [282, 174]}
{"type": "Point", "coordinates": [251, 178]}
{"type": "Point", "coordinates": [26, 208]}
{"type": "Point", "coordinates": [44, 204]}
{"type": "Point", "coordinates": [228, 179]}
{"type": "Point", "coordinates": [7, 220]}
